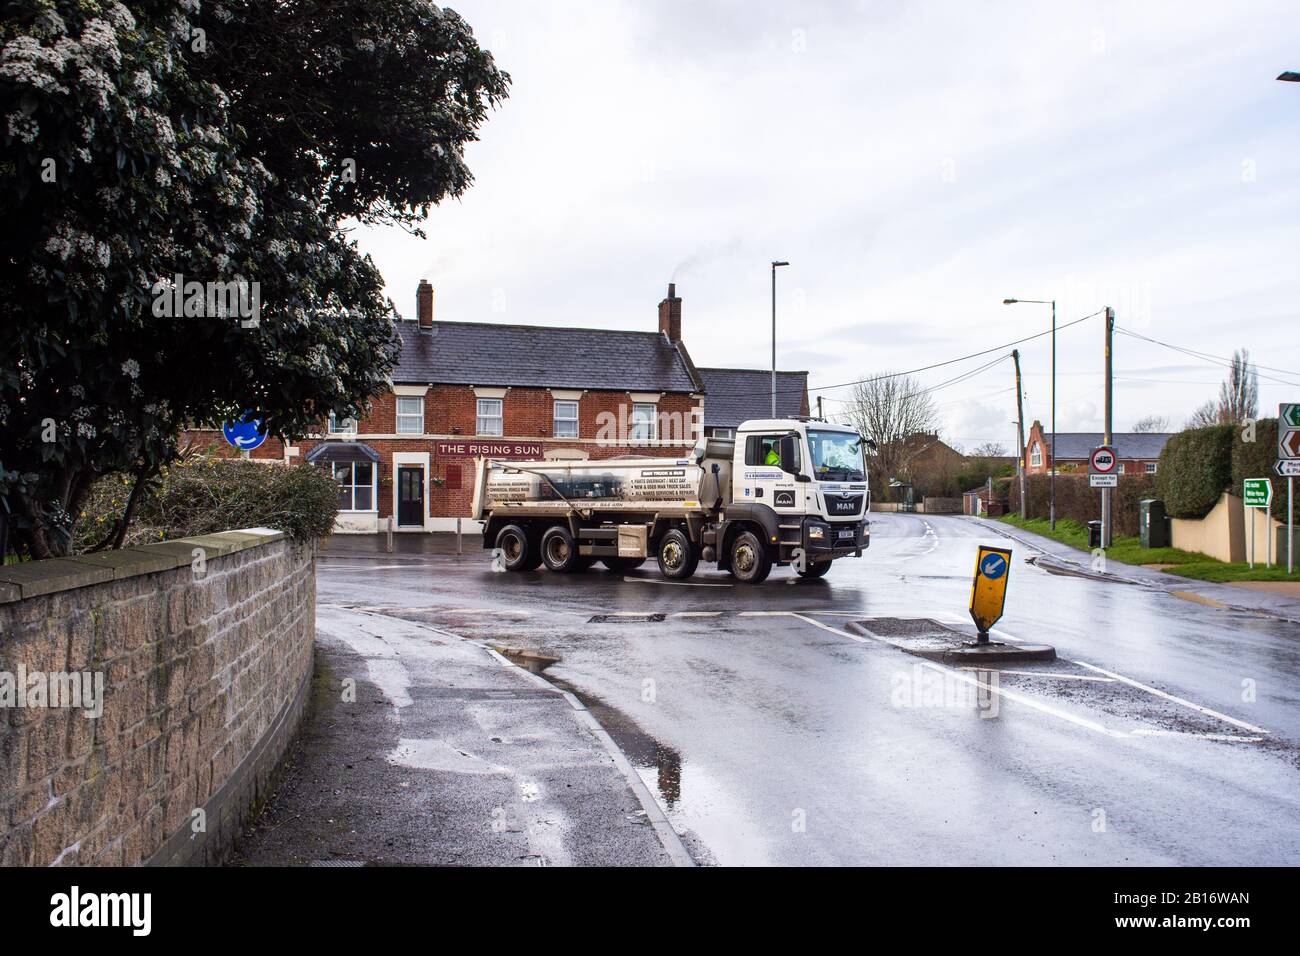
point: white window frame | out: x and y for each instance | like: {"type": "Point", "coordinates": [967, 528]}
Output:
{"type": "Point", "coordinates": [410, 427]}
{"type": "Point", "coordinates": [723, 433]}
{"type": "Point", "coordinates": [564, 426]}
{"type": "Point", "coordinates": [1035, 455]}
{"type": "Point", "coordinates": [351, 485]}
{"type": "Point", "coordinates": [1151, 467]}
{"type": "Point", "coordinates": [498, 417]}
{"type": "Point", "coordinates": [347, 427]}
{"type": "Point", "coordinates": [635, 427]}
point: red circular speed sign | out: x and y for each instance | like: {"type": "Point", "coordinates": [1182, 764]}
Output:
{"type": "Point", "coordinates": [1104, 460]}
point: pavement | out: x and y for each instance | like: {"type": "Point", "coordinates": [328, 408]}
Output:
{"type": "Point", "coordinates": [1279, 599]}
{"type": "Point", "coordinates": [791, 723]}
{"type": "Point", "coordinates": [425, 749]}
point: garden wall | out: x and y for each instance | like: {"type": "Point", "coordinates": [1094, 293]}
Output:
{"type": "Point", "coordinates": [204, 649]}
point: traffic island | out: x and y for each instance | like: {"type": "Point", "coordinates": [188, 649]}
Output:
{"type": "Point", "coordinates": [943, 644]}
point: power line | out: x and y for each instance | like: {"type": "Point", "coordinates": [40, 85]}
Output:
{"type": "Point", "coordinates": [1213, 359]}
{"type": "Point", "coordinates": [926, 368]}
{"type": "Point", "coordinates": [880, 378]}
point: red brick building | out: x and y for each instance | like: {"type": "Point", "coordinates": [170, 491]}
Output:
{"type": "Point", "coordinates": [1139, 452]}
{"type": "Point", "coordinates": [465, 389]}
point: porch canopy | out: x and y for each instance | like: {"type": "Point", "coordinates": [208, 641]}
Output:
{"type": "Point", "coordinates": [341, 452]}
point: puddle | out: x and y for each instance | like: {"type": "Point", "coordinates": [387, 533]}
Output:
{"type": "Point", "coordinates": [642, 750]}
{"type": "Point", "coordinates": [625, 619]}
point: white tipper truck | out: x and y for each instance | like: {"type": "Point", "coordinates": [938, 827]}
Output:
{"type": "Point", "coordinates": [789, 491]}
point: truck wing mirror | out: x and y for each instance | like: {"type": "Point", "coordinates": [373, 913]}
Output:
{"type": "Point", "coordinates": [788, 451]}
{"type": "Point", "coordinates": [869, 442]}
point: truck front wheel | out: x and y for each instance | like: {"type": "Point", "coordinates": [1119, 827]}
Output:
{"type": "Point", "coordinates": [518, 552]}
{"type": "Point", "coordinates": [750, 561]}
{"type": "Point", "coordinates": [678, 558]}
{"type": "Point", "coordinates": [560, 551]}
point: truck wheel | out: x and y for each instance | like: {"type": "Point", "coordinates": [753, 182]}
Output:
{"type": "Point", "coordinates": [678, 558]}
{"type": "Point", "coordinates": [750, 561]}
{"type": "Point", "coordinates": [559, 550]}
{"type": "Point", "coordinates": [815, 570]}
{"type": "Point", "coordinates": [518, 551]}
{"type": "Point", "coordinates": [622, 565]}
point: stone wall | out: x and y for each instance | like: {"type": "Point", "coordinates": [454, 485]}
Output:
{"type": "Point", "coordinates": [204, 646]}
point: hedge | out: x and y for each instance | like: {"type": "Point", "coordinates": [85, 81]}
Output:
{"type": "Point", "coordinates": [1195, 469]}
{"type": "Point", "coordinates": [1254, 459]}
{"type": "Point", "coordinates": [202, 495]}
{"type": "Point", "coordinates": [1081, 503]}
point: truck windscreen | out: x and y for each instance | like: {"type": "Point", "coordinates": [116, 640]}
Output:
{"type": "Point", "coordinates": [836, 456]}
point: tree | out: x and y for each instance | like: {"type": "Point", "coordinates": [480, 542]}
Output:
{"type": "Point", "coordinates": [1238, 396]}
{"type": "Point", "coordinates": [224, 145]}
{"type": "Point", "coordinates": [1239, 393]}
{"type": "Point", "coordinates": [891, 409]}
{"type": "Point", "coordinates": [990, 449]}
{"type": "Point", "coordinates": [1151, 424]}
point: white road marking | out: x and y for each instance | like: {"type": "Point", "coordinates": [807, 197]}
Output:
{"type": "Point", "coordinates": [1000, 691]}
{"type": "Point", "coordinates": [1177, 700]}
{"type": "Point", "coordinates": [1231, 738]}
{"type": "Point", "coordinates": [698, 614]}
{"type": "Point", "coordinates": [824, 627]}
{"type": "Point", "coordinates": [1051, 674]}
{"type": "Point", "coordinates": [684, 584]}
{"type": "Point", "coordinates": [1027, 701]}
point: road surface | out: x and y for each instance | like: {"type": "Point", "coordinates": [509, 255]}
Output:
{"type": "Point", "coordinates": [771, 730]}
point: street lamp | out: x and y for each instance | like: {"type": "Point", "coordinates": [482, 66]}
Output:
{"type": "Point", "coordinates": [775, 264]}
{"type": "Point", "coordinates": [1290, 76]}
{"type": "Point", "coordinates": [1051, 512]}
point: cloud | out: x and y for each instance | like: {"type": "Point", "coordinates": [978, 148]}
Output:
{"type": "Point", "coordinates": [916, 164]}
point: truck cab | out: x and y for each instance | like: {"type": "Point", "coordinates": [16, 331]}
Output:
{"type": "Point", "coordinates": [804, 482]}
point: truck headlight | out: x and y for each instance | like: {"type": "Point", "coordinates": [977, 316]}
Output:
{"type": "Point", "coordinates": [816, 532]}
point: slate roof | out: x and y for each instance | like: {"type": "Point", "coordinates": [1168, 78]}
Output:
{"type": "Point", "coordinates": [733, 395]}
{"type": "Point", "coordinates": [487, 353]}
{"type": "Point", "coordinates": [1071, 446]}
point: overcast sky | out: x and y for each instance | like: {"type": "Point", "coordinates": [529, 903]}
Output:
{"type": "Point", "coordinates": [916, 162]}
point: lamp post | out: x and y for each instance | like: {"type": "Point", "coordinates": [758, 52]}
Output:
{"type": "Point", "coordinates": [775, 264]}
{"type": "Point", "coordinates": [1051, 513]}
{"type": "Point", "coordinates": [1289, 76]}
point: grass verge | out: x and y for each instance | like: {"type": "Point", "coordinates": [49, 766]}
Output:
{"type": "Point", "coordinates": [1128, 549]}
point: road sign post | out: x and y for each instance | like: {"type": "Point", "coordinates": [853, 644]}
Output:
{"type": "Point", "coordinates": [988, 593]}
{"type": "Point", "coordinates": [1103, 473]}
{"type": "Point", "coordinates": [1288, 466]}
{"type": "Point", "coordinates": [1258, 493]}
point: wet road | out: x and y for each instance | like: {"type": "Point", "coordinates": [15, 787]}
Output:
{"type": "Point", "coordinates": [771, 732]}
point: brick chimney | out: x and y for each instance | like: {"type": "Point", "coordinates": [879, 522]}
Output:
{"type": "Point", "coordinates": [670, 315]}
{"type": "Point", "coordinates": [424, 304]}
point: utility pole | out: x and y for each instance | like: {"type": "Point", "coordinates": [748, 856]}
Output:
{"type": "Point", "coordinates": [1106, 518]}
{"type": "Point", "coordinates": [819, 407]}
{"type": "Point", "coordinates": [1020, 435]}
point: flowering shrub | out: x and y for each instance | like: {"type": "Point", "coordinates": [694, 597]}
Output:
{"type": "Point", "coordinates": [223, 143]}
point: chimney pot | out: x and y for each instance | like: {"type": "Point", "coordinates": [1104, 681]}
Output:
{"type": "Point", "coordinates": [424, 304]}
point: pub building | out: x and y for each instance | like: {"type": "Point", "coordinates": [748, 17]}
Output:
{"type": "Point", "coordinates": [462, 390]}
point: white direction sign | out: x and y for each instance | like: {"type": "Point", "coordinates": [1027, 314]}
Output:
{"type": "Point", "coordinates": [1103, 481]}
{"type": "Point", "coordinates": [1287, 468]}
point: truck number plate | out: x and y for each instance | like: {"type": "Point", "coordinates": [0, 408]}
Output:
{"type": "Point", "coordinates": [847, 534]}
